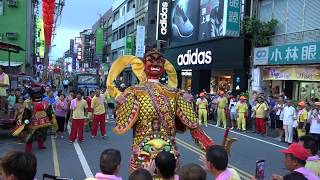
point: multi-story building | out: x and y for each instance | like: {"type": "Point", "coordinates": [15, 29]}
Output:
{"type": "Point", "coordinates": [122, 27]}
{"type": "Point", "coordinates": [104, 24]}
{"type": "Point", "coordinates": [292, 63]}
{"type": "Point", "coordinates": [146, 15]}
{"type": "Point", "coordinates": [19, 32]}
{"type": "Point", "coordinates": [87, 51]}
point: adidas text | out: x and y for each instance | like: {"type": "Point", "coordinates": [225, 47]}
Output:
{"type": "Point", "coordinates": [193, 58]}
{"type": "Point", "coordinates": [164, 18]}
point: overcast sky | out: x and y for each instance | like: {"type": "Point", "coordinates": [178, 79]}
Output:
{"type": "Point", "coordinates": [77, 15]}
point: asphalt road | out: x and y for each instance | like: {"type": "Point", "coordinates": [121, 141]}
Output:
{"type": "Point", "coordinates": [78, 161]}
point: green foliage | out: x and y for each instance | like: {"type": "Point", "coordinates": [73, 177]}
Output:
{"type": "Point", "coordinates": [245, 94]}
{"type": "Point", "coordinates": [258, 32]}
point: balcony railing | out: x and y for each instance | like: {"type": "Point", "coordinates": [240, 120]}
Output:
{"type": "Point", "coordinates": [296, 37]}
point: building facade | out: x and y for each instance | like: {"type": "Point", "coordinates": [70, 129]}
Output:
{"type": "Point", "coordinates": [292, 63]}
{"type": "Point", "coordinates": [205, 45]}
{"type": "Point", "coordinates": [19, 32]}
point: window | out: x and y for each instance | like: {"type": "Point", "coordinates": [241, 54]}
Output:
{"type": "Point", "coordinates": [130, 27]}
{"type": "Point", "coordinates": [109, 21]}
{"type": "Point", "coordinates": [116, 15]}
{"type": "Point", "coordinates": [115, 36]}
{"type": "Point", "coordinates": [123, 10]}
{"type": "Point", "coordinates": [122, 33]}
{"type": "Point", "coordinates": [131, 5]}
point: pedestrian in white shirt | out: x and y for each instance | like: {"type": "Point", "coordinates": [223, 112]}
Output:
{"type": "Point", "coordinates": [233, 111]}
{"type": "Point", "coordinates": [279, 119]}
{"type": "Point", "coordinates": [315, 122]}
{"type": "Point", "coordinates": [288, 116]}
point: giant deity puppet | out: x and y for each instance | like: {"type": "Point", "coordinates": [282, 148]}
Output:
{"type": "Point", "coordinates": [33, 120]}
{"type": "Point", "coordinates": [154, 111]}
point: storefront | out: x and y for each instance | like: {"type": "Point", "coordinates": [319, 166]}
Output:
{"type": "Point", "coordinates": [293, 69]}
{"type": "Point", "coordinates": [212, 65]}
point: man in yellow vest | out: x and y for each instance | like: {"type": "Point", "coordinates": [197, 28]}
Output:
{"type": "Point", "coordinates": [222, 102]}
{"type": "Point", "coordinates": [202, 106]}
{"type": "Point", "coordinates": [242, 109]}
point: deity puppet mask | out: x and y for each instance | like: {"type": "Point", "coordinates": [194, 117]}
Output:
{"type": "Point", "coordinates": [152, 66]}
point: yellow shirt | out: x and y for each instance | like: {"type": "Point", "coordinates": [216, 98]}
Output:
{"type": "Point", "coordinates": [5, 81]}
{"type": "Point", "coordinates": [242, 107]}
{"type": "Point", "coordinates": [261, 110]}
{"type": "Point", "coordinates": [202, 103]}
{"type": "Point", "coordinates": [303, 116]}
{"type": "Point", "coordinates": [314, 166]}
{"type": "Point", "coordinates": [222, 102]}
{"type": "Point", "coordinates": [78, 112]}
{"type": "Point", "coordinates": [97, 104]}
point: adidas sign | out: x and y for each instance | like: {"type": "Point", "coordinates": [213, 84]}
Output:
{"type": "Point", "coordinates": [193, 58]}
{"type": "Point", "coordinates": [164, 18]}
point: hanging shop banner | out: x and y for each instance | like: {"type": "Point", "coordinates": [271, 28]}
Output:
{"type": "Point", "coordinates": [231, 18]}
{"type": "Point", "coordinates": [128, 45]}
{"type": "Point", "coordinates": [140, 48]}
{"type": "Point", "coordinates": [306, 53]}
{"type": "Point", "coordinates": [99, 41]}
{"type": "Point", "coordinates": [163, 16]}
{"type": "Point", "coordinates": [292, 73]}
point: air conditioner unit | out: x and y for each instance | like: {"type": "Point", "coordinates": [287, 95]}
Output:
{"type": "Point", "coordinates": [12, 35]}
{"type": "Point", "coordinates": [12, 3]}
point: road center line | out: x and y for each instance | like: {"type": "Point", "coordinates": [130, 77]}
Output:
{"type": "Point", "coordinates": [55, 157]}
{"type": "Point", "coordinates": [247, 136]}
{"type": "Point", "coordinates": [85, 166]}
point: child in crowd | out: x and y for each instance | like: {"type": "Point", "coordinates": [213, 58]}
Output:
{"type": "Point", "coordinates": [110, 160]}
{"type": "Point", "coordinates": [11, 102]}
{"type": "Point", "coordinates": [192, 172]}
{"type": "Point", "coordinates": [18, 108]}
{"type": "Point", "coordinates": [140, 174]}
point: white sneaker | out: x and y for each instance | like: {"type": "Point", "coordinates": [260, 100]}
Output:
{"type": "Point", "coordinates": [231, 128]}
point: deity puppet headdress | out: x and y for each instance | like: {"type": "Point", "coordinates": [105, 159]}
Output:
{"type": "Point", "coordinates": [137, 66]}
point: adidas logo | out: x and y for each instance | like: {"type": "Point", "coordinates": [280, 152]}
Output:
{"type": "Point", "coordinates": [193, 58]}
{"type": "Point", "coordinates": [164, 18]}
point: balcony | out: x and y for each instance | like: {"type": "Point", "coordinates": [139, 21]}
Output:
{"type": "Point", "coordinates": [116, 4]}
{"type": "Point", "coordinates": [123, 19]}
{"type": "Point", "coordinates": [118, 43]}
{"type": "Point", "coordinates": [296, 37]}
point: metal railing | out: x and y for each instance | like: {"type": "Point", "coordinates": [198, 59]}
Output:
{"type": "Point", "coordinates": [296, 37]}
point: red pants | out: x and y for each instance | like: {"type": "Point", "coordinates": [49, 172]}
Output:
{"type": "Point", "coordinates": [261, 125]}
{"type": "Point", "coordinates": [77, 128]}
{"type": "Point", "coordinates": [99, 120]}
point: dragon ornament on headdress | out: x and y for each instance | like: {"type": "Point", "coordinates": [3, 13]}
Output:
{"type": "Point", "coordinates": [156, 111]}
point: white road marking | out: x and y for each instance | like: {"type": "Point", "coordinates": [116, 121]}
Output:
{"type": "Point", "coordinates": [244, 135]}
{"type": "Point", "coordinates": [85, 166]}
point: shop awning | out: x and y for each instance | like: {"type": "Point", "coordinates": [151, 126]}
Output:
{"type": "Point", "coordinates": [10, 47]}
{"type": "Point", "coordinates": [12, 63]}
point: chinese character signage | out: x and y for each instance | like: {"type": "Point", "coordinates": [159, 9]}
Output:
{"type": "Point", "coordinates": [99, 41]}
{"type": "Point", "coordinates": [231, 20]}
{"type": "Point", "coordinates": [306, 53]}
{"type": "Point", "coordinates": [140, 48]}
{"type": "Point", "coordinates": [292, 73]}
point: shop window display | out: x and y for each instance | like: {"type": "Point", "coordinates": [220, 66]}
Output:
{"type": "Point", "coordinates": [309, 90]}
{"type": "Point", "coordinates": [223, 83]}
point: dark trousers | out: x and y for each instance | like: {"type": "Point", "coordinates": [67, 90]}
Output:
{"type": "Point", "coordinates": [61, 123]}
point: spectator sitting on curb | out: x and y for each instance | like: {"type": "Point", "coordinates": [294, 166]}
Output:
{"type": "Point", "coordinates": [110, 160]}
{"type": "Point", "coordinates": [313, 161]}
{"type": "Point", "coordinates": [192, 172]}
{"type": "Point", "coordinates": [216, 163]}
{"type": "Point", "coordinates": [140, 174]}
{"type": "Point", "coordinates": [295, 160]}
{"type": "Point", "coordinates": [19, 166]}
